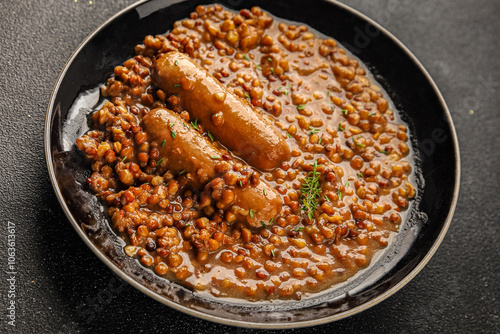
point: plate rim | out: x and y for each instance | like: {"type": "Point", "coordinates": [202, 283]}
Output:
{"type": "Point", "coordinates": [239, 323]}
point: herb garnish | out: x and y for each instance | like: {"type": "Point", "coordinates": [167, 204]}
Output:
{"type": "Point", "coordinates": [247, 96]}
{"type": "Point", "coordinates": [263, 224]}
{"type": "Point", "coordinates": [320, 139]}
{"type": "Point", "coordinates": [246, 57]}
{"type": "Point", "coordinates": [328, 93]}
{"type": "Point", "coordinates": [210, 136]}
{"type": "Point", "coordinates": [172, 124]}
{"type": "Point", "coordinates": [313, 131]}
{"type": "Point", "coordinates": [265, 192]}
{"type": "Point", "coordinates": [347, 184]}
{"type": "Point", "coordinates": [240, 183]}
{"type": "Point", "coordinates": [176, 63]}
{"type": "Point", "coordinates": [177, 85]}
{"type": "Point", "coordinates": [159, 161]}
{"type": "Point", "coordinates": [259, 67]}
{"type": "Point", "coordinates": [215, 157]}
{"type": "Point", "coordinates": [252, 215]}
{"type": "Point", "coordinates": [360, 145]}
{"type": "Point", "coordinates": [185, 125]}
{"type": "Point", "coordinates": [340, 127]}
{"type": "Point", "coordinates": [173, 133]}
{"type": "Point", "coordinates": [301, 106]}
{"type": "Point", "coordinates": [339, 194]}
{"type": "Point", "coordinates": [373, 113]}
{"type": "Point", "coordinates": [163, 143]}
{"type": "Point", "coordinates": [123, 160]}
{"type": "Point", "coordinates": [269, 58]}
{"type": "Point", "coordinates": [272, 70]}
{"type": "Point", "coordinates": [384, 152]}
{"type": "Point", "coordinates": [289, 135]}
{"type": "Point", "coordinates": [360, 174]}
{"type": "Point", "coordinates": [182, 172]}
{"type": "Point", "coordinates": [298, 229]}
{"type": "Point", "coordinates": [272, 252]}
{"type": "Point", "coordinates": [345, 111]}
{"type": "Point", "coordinates": [310, 191]}
{"type": "Point", "coordinates": [195, 124]}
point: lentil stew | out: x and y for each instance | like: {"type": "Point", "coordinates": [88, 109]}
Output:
{"type": "Point", "coordinates": [248, 157]}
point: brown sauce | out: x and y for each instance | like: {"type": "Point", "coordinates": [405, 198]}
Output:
{"type": "Point", "coordinates": [337, 123]}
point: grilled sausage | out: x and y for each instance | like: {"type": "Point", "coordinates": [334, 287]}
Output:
{"type": "Point", "coordinates": [235, 123]}
{"type": "Point", "coordinates": [183, 148]}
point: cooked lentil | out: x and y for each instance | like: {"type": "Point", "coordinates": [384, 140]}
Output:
{"type": "Point", "coordinates": [340, 184]}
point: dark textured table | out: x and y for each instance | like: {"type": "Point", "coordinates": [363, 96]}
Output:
{"type": "Point", "coordinates": [61, 287]}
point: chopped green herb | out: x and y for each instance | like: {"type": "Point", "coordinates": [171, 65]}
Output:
{"type": "Point", "coordinates": [123, 160]}
{"type": "Point", "coordinates": [172, 124]}
{"type": "Point", "coordinates": [301, 106]}
{"type": "Point", "coordinates": [339, 194]}
{"type": "Point", "coordinates": [195, 124]}
{"type": "Point", "coordinates": [188, 224]}
{"type": "Point", "coordinates": [279, 88]}
{"type": "Point", "coordinates": [259, 67]}
{"type": "Point", "coordinates": [163, 143]}
{"type": "Point", "coordinates": [177, 85]}
{"type": "Point", "coordinates": [185, 125]}
{"type": "Point", "coordinates": [176, 63]}
{"type": "Point", "coordinates": [373, 113]}
{"type": "Point", "coordinates": [173, 133]}
{"type": "Point", "coordinates": [298, 229]}
{"type": "Point", "coordinates": [182, 172]}
{"type": "Point", "coordinates": [289, 135]}
{"type": "Point", "coordinates": [263, 224]}
{"type": "Point", "coordinates": [327, 199]}
{"type": "Point", "coordinates": [269, 58]}
{"type": "Point", "coordinates": [240, 183]}
{"type": "Point", "coordinates": [272, 252]}
{"type": "Point", "coordinates": [328, 93]}
{"type": "Point", "coordinates": [347, 184]}
{"type": "Point", "coordinates": [252, 215]}
{"type": "Point", "coordinates": [310, 191]}
{"type": "Point", "coordinates": [384, 152]}
{"type": "Point", "coordinates": [345, 111]}
{"type": "Point", "coordinates": [272, 70]}
{"type": "Point", "coordinates": [360, 174]}
{"type": "Point", "coordinates": [145, 183]}
{"type": "Point", "coordinates": [320, 139]}
{"type": "Point", "coordinates": [360, 145]}
{"type": "Point", "coordinates": [215, 157]}
{"type": "Point", "coordinates": [210, 136]}
{"type": "Point", "coordinates": [340, 127]}
{"type": "Point", "coordinates": [287, 88]}
{"type": "Point", "coordinates": [159, 161]}
{"type": "Point", "coordinates": [246, 57]}
{"type": "Point", "coordinates": [313, 131]}
{"type": "Point", "coordinates": [247, 96]}
{"type": "Point", "coordinates": [265, 192]}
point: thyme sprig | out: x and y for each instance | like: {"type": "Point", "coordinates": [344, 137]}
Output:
{"type": "Point", "coordinates": [310, 191]}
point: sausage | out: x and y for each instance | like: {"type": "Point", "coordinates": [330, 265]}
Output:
{"type": "Point", "coordinates": [235, 123]}
{"type": "Point", "coordinates": [183, 148]}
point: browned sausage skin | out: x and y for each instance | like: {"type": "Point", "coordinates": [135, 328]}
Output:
{"type": "Point", "coordinates": [184, 149]}
{"type": "Point", "coordinates": [234, 122]}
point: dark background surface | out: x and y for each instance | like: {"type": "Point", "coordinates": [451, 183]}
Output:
{"type": "Point", "coordinates": [63, 288]}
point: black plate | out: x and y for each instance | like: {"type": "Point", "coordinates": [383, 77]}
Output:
{"type": "Point", "coordinates": [398, 71]}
